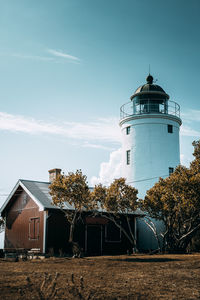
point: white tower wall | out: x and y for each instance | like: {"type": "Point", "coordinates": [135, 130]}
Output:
{"type": "Point", "coordinates": [150, 126]}
{"type": "Point", "coordinates": [153, 150]}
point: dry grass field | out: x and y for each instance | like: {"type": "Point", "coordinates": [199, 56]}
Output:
{"type": "Point", "coordinates": [108, 277]}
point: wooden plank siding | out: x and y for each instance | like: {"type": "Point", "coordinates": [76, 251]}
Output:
{"type": "Point", "coordinates": [24, 223]}
{"type": "Point", "coordinates": [29, 227]}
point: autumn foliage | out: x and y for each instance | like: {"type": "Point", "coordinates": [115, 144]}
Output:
{"type": "Point", "coordinates": [114, 201]}
{"type": "Point", "coordinates": [71, 194]}
{"type": "Point", "coordinates": [176, 201]}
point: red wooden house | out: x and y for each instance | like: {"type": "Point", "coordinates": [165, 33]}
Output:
{"type": "Point", "coordinates": [33, 222]}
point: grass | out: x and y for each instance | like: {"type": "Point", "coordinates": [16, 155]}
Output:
{"type": "Point", "coordinates": [108, 277]}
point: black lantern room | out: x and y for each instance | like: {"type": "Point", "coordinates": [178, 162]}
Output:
{"type": "Point", "coordinates": [150, 98]}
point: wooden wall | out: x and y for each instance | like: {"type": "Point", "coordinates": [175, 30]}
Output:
{"type": "Point", "coordinates": [24, 223]}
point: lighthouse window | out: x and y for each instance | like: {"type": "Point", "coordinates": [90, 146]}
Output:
{"type": "Point", "coordinates": [171, 170]}
{"type": "Point", "coordinates": [170, 128]}
{"type": "Point", "coordinates": [128, 155]}
{"type": "Point", "coordinates": [128, 129]}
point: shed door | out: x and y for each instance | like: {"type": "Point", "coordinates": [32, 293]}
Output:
{"type": "Point", "coordinates": [94, 239]}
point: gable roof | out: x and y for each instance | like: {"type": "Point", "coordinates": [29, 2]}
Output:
{"type": "Point", "coordinates": [39, 192]}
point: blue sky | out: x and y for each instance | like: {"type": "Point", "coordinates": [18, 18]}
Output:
{"type": "Point", "coordinates": [67, 66]}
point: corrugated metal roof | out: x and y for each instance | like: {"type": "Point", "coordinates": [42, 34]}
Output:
{"type": "Point", "coordinates": [39, 191]}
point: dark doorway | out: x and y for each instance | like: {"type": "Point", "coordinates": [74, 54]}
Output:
{"type": "Point", "coordinates": [93, 239]}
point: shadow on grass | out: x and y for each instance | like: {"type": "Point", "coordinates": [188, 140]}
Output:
{"type": "Point", "coordinates": [145, 260]}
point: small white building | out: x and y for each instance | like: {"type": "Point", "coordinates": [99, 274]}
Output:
{"type": "Point", "coordinates": [150, 125]}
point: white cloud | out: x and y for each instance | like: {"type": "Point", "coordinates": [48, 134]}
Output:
{"type": "Point", "coordinates": [97, 146]}
{"type": "Point", "coordinates": [191, 115]}
{"type": "Point", "coordinates": [33, 57]}
{"type": "Point", "coordinates": [109, 170]}
{"type": "Point", "coordinates": [188, 131]}
{"type": "Point", "coordinates": [102, 130]}
{"type": "Point", "coordinates": [63, 55]}
{"type": "Point", "coordinates": [185, 160]}
{"type": "Point", "coordinates": [52, 55]}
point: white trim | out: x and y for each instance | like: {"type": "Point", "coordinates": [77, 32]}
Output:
{"type": "Point", "coordinates": [150, 116]}
{"type": "Point", "coordinates": [41, 207]}
{"type": "Point", "coordinates": [45, 215]}
{"type": "Point", "coordinates": [149, 123]}
{"type": "Point", "coordinates": [19, 183]}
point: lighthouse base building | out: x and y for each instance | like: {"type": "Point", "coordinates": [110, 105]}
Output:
{"type": "Point", "coordinates": [34, 224]}
{"type": "Point", "coordinates": [150, 125]}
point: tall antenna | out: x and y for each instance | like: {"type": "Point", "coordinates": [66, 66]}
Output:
{"type": "Point", "coordinates": [149, 70]}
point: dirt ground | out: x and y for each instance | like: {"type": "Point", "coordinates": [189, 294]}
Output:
{"type": "Point", "coordinates": [108, 277]}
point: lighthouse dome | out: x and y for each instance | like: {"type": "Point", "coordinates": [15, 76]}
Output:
{"type": "Point", "coordinates": [149, 88]}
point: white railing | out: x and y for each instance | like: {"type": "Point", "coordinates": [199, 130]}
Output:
{"type": "Point", "coordinates": [132, 108]}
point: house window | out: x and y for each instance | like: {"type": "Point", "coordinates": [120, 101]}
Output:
{"type": "Point", "coordinates": [171, 170]}
{"type": "Point", "coordinates": [128, 156]}
{"type": "Point", "coordinates": [24, 199]}
{"type": "Point", "coordinates": [34, 227]}
{"type": "Point", "coordinates": [170, 128]}
{"type": "Point", "coordinates": [128, 129]}
{"type": "Point", "coordinates": [112, 233]}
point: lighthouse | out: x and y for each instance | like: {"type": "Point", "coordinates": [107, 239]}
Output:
{"type": "Point", "coordinates": [150, 125]}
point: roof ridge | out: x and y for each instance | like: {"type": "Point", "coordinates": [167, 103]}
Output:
{"type": "Point", "coordinates": [34, 181]}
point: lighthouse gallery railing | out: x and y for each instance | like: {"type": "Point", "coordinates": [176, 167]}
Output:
{"type": "Point", "coordinates": [132, 108]}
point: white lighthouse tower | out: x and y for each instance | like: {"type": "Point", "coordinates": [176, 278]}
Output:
{"type": "Point", "coordinates": [150, 126]}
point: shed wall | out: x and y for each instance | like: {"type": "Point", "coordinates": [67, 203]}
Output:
{"type": "Point", "coordinates": [20, 223]}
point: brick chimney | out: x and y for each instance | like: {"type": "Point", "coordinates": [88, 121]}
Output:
{"type": "Point", "coordinates": [53, 174]}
